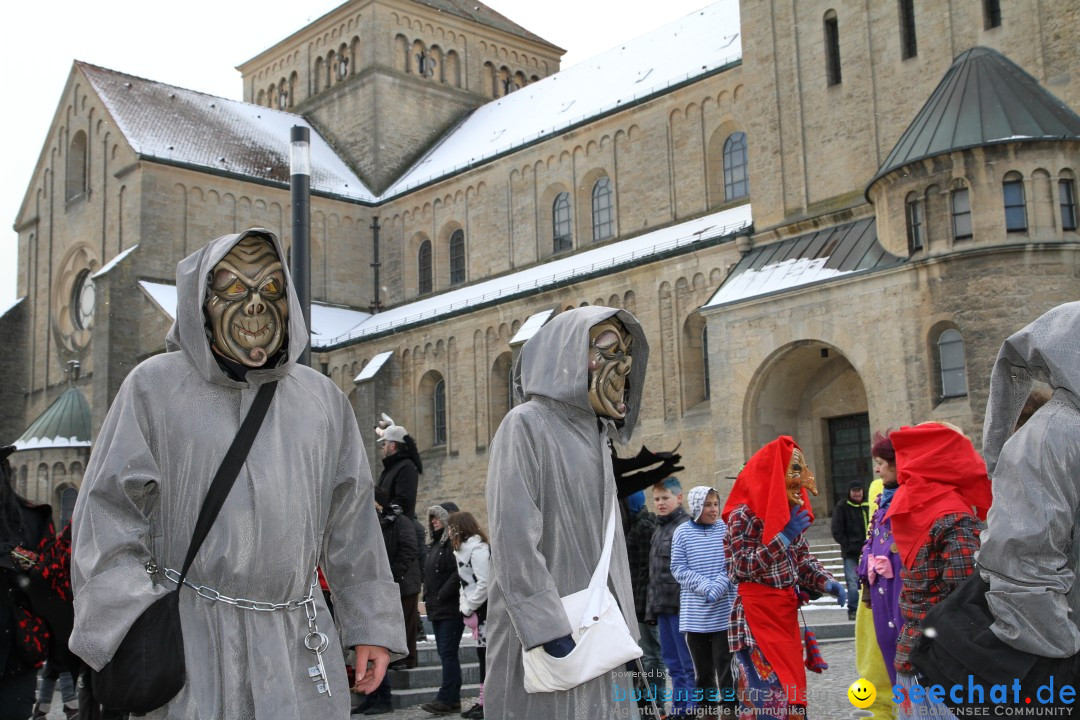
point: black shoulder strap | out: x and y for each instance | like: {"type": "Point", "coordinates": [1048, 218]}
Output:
{"type": "Point", "coordinates": [227, 472]}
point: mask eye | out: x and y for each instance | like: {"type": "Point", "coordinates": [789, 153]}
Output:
{"type": "Point", "coordinates": [606, 340]}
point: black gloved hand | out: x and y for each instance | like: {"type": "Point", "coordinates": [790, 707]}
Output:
{"type": "Point", "coordinates": [560, 647]}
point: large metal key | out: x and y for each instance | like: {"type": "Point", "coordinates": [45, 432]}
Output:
{"type": "Point", "coordinates": [317, 642]}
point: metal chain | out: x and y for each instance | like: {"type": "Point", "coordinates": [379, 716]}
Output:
{"type": "Point", "coordinates": [210, 593]}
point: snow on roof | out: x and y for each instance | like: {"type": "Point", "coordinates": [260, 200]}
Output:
{"type": "Point", "coordinates": [41, 443]}
{"type": "Point", "coordinates": [803, 260]}
{"type": "Point", "coordinates": [695, 45]}
{"type": "Point", "coordinates": [10, 307]}
{"type": "Point", "coordinates": [373, 367]}
{"type": "Point", "coordinates": [327, 321]}
{"type": "Point", "coordinates": [192, 128]}
{"type": "Point", "coordinates": [531, 327]}
{"type": "Point", "coordinates": [65, 423]}
{"type": "Point", "coordinates": [625, 252]}
{"type": "Point", "coordinates": [114, 262]}
{"type": "Point", "coordinates": [783, 275]}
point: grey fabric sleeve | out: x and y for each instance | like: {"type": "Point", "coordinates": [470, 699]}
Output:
{"type": "Point", "coordinates": [367, 604]}
{"type": "Point", "coordinates": [1029, 531]}
{"type": "Point", "coordinates": [517, 524]}
{"type": "Point", "coordinates": [111, 532]}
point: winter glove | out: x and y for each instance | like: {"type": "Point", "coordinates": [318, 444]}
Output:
{"type": "Point", "coordinates": [799, 521]}
{"type": "Point", "coordinates": [473, 623]}
{"type": "Point", "coordinates": [712, 593]}
{"type": "Point", "coordinates": [837, 590]}
{"type": "Point", "coordinates": [560, 647]}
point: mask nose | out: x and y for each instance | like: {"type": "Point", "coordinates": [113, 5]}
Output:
{"type": "Point", "coordinates": [255, 305]}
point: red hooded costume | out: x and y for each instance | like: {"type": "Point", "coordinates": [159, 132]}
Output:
{"type": "Point", "coordinates": [772, 612]}
{"type": "Point", "coordinates": [939, 473]}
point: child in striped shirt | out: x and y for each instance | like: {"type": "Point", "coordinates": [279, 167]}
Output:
{"type": "Point", "coordinates": [706, 596]}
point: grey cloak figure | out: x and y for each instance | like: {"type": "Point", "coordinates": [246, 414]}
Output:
{"type": "Point", "coordinates": [1030, 550]}
{"type": "Point", "coordinates": [304, 497]}
{"type": "Point", "coordinates": [549, 492]}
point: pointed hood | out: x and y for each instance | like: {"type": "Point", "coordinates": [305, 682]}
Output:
{"type": "Point", "coordinates": [940, 473]}
{"type": "Point", "coordinates": [1047, 350]}
{"type": "Point", "coordinates": [188, 333]}
{"type": "Point", "coordinates": [760, 485]}
{"type": "Point", "coordinates": [554, 362]}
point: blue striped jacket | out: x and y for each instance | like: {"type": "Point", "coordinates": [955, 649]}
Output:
{"type": "Point", "coordinates": [699, 565]}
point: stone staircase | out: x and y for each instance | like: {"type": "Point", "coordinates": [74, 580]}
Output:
{"type": "Point", "coordinates": [421, 684]}
{"type": "Point", "coordinates": [824, 616]}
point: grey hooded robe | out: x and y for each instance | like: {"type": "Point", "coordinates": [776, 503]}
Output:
{"type": "Point", "coordinates": [549, 491]}
{"type": "Point", "coordinates": [1030, 550]}
{"type": "Point", "coordinates": [303, 497]}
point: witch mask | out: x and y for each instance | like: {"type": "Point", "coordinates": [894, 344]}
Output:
{"type": "Point", "coordinates": [798, 476]}
{"type": "Point", "coordinates": [609, 366]}
{"type": "Point", "coordinates": [247, 305]}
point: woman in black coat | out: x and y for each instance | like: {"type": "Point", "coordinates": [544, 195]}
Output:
{"type": "Point", "coordinates": [441, 586]}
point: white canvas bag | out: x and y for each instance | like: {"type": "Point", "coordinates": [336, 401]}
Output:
{"type": "Point", "coordinates": [603, 640]}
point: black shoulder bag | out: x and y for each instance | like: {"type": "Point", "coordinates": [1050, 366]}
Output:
{"type": "Point", "coordinates": [964, 651]}
{"type": "Point", "coordinates": [147, 669]}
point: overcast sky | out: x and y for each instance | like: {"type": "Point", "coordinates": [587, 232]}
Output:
{"type": "Point", "coordinates": [197, 44]}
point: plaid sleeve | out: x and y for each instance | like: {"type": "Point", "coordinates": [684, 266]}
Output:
{"type": "Point", "coordinates": [941, 564]}
{"type": "Point", "coordinates": [959, 541]}
{"type": "Point", "coordinates": [812, 574]}
{"type": "Point", "coordinates": [751, 559]}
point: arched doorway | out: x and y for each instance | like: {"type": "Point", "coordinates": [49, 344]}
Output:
{"type": "Point", "coordinates": [809, 390]}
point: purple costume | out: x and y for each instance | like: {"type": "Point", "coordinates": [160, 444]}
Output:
{"type": "Point", "coordinates": [879, 572]}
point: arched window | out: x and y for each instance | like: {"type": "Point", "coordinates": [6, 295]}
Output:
{"type": "Point", "coordinates": [909, 47]}
{"type": "Point", "coordinates": [832, 48]}
{"type": "Point", "coordinates": [439, 412]}
{"type": "Point", "coordinates": [1012, 188]}
{"type": "Point", "coordinates": [41, 492]}
{"type": "Point", "coordinates": [76, 166]}
{"type": "Point", "coordinates": [695, 361]}
{"type": "Point", "coordinates": [705, 357]}
{"type": "Point", "coordinates": [562, 228]}
{"type": "Point", "coordinates": [67, 504]}
{"type": "Point", "coordinates": [423, 267]}
{"type": "Point", "coordinates": [457, 257]}
{"type": "Point", "coordinates": [916, 222]}
{"type": "Point", "coordinates": [950, 345]}
{"type": "Point", "coordinates": [1067, 201]}
{"type": "Point", "coordinates": [603, 219]}
{"type": "Point", "coordinates": [736, 183]}
{"type": "Point", "coordinates": [961, 214]}
{"type": "Point", "coordinates": [501, 392]}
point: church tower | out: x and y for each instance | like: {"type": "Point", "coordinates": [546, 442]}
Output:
{"type": "Point", "coordinates": [383, 79]}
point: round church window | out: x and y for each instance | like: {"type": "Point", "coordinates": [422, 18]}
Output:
{"type": "Point", "coordinates": [82, 302]}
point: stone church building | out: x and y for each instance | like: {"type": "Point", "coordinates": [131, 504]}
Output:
{"type": "Point", "coordinates": [826, 215]}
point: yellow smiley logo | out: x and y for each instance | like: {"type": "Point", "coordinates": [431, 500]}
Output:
{"type": "Point", "coordinates": [862, 693]}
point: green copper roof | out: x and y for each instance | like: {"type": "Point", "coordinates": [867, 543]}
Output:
{"type": "Point", "coordinates": [984, 99]}
{"type": "Point", "coordinates": [65, 423]}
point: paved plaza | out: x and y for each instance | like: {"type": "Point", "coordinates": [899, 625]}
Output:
{"type": "Point", "coordinates": [828, 691]}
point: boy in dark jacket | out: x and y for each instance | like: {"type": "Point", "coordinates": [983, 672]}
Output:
{"type": "Point", "coordinates": [441, 587]}
{"type": "Point", "coordinates": [401, 550]}
{"type": "Point", "coordinates": [850, 518]}
{"type": "Point", "coordinates": [640, 525]}
{"type": "Point", "coordinates": [662, 603]}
